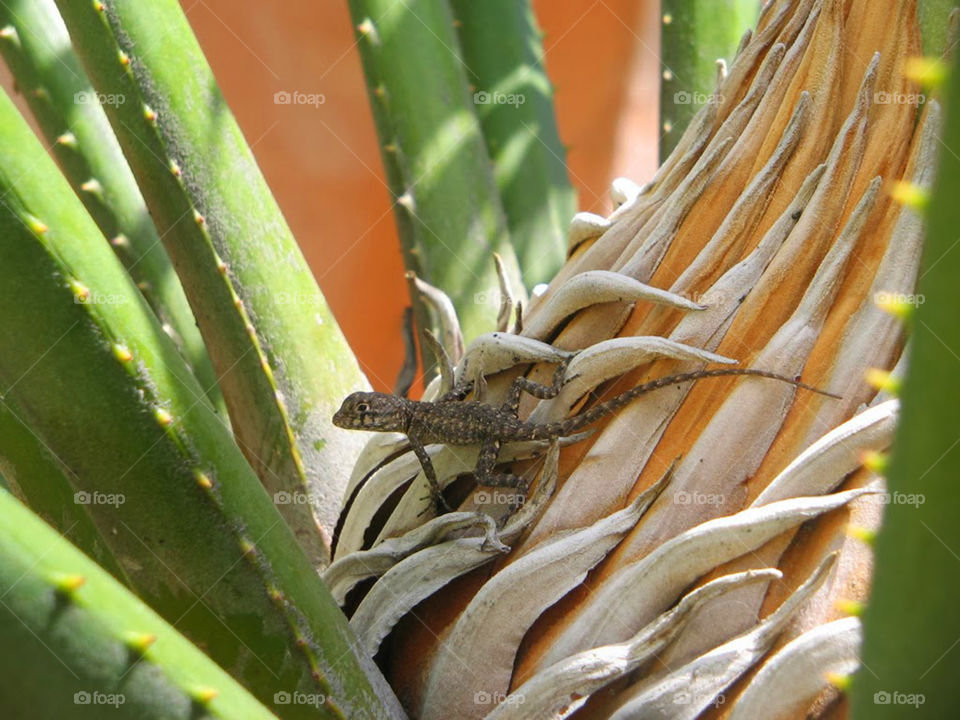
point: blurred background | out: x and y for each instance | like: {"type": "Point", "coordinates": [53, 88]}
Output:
{"type": "Point", "coordinates": [323, 164]}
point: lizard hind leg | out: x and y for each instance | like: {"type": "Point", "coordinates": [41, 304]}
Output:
{"type": "Point", "coordinates": [538, 390]}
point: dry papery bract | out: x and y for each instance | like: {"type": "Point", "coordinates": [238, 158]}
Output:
{"type": "Point", "coordinates": [761, 241]}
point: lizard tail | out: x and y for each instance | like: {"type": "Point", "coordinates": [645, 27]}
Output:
{"type": "Point", "coordinates": [578, 422]}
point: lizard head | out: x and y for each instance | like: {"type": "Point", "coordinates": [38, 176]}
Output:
{"type": "Point", "coordinates": [372, 411]}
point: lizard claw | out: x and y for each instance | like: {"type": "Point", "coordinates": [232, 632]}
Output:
{"type": "Point", "coordinates": [437, 502]}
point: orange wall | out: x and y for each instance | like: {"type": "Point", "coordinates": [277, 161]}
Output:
{"type": "Point", "coordinates": [323, 163]}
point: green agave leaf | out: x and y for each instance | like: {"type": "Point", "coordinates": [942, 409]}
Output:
{"type": "Point", "coordinates": [85, 360]}
{"type": "Point", "coordinates": [283, 364]}
{"type": "Point", "coordinates": [36, 47]}
{"type": "Point", "coordinates": [446, 204]}
{"type": "Point", "coordinates": [911, 623]}
{"type": "Point", "coordinates": [694, 34]}
{"type": "Point", "coordinates": [513, 97]}
{"type": "Point", "coordinates": [75, 643]}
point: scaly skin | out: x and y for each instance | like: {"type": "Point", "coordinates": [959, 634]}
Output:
{"type": "Point", "coordinates": [472, 423]}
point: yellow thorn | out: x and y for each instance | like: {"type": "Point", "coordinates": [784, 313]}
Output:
{"type": "Point", "coordinates": [897, 304]}
{"type": "Point", "coordinates": [875, 461]}
{"type": "Point", "coordinates": [175, 168]}
{"type": "Point", "coordinates": [928, 71]}
{"type": "Point", "coordinates": [140, 642]}
{"type": "Point", "coordinates": [122, 353]}
{"type": "Point", "coordinates": [163, 417]}
{"type": "Point", "coordinates": [68, 583]}
{"type": "Point", "coordinates": [150, 114]}
{"type": "Point", "coordinates": [199, 219]}
{"type": "Point", "coordinates": [124, 58]}
{"type": "Point", "coordinates": [204, 695]}
{"type": "Point", "coordinates": [839, 681]}
{"type": "Point", "coordinates": [10, 33]}
{"type": "Point", "coordinates": [882, 380]}
{"type": "Point", "coordinates": [858, 532]}
{"type": "Point", "coordinates": [667, 75]}
{"type": "Point", "coordinates": [99, 6]}
{"type": "Point", "coordinates": [668, 127]}
{"type": "Point", "coordinates": [68, 139]}
{"type": "Point", "coordinates": [120, 241]}
{"type": "Point", "coordinates": [81, 293]}
{"type": "Point", "coordinates": [92, 186]}
{"type": "Point", "coordinates": [37, 227]}
{"type": "Point", "coordinates": [406, 200]}
{"type": "Point", "coordinates": [911, 195]}
{"type": "Point", "coordinates": [667, 18]}
{"type": "Point", "coordinates": [203, 480]}
{"type": "Point", "coordinates": [849, 607]}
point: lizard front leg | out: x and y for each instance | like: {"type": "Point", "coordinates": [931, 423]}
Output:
{"type": "Point", "coordinates": [436, 493]}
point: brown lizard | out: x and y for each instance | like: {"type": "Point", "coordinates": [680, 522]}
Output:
{"type": "Point", "coordinates": [474, 423]}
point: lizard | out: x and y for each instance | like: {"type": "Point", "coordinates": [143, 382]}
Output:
{"type": "Point", "coordinates": [453, 420]}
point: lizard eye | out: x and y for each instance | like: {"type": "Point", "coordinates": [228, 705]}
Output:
{"type": "Point", "coordinates": [363, 407]}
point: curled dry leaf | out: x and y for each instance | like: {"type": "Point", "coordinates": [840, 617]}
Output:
{"type": "Point", "coordinates": [765, 237]}
{"type": "Point", "coordinates": [789, 682]}
{"type": "Point", "coordinates": [685, 693]}
{"type": "Point", "coordinates": [562, 688]}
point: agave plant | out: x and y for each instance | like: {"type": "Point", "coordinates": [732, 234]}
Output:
{"type": "Point", "coordinates": [215, 547]}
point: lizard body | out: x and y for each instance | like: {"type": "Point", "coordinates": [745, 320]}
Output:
{"type": "Point", "coordinates": [469, 422]}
